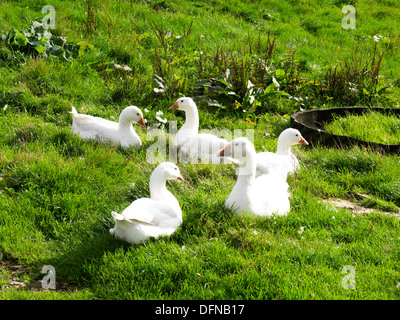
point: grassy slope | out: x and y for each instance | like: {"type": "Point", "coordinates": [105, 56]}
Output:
{"type": "Point", "coordinates": [57, 191]}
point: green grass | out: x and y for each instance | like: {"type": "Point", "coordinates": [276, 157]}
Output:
{"type": "Point", "coordinates": [57, 190]}
{"type": "Point", "coordinates": [371, 127]}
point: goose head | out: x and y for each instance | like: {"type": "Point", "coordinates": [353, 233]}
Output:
{"type": "Point", "coordinates": [239, 148]}
{"type": "Point", "coordinates": [242, 151]}
{"type": "Point", "coordinates": [290, 137]}
{"type": "Point", "coordinates": [168, 171]}
{"type": "Point", "coordinates": [132, 114]}
{"type": "Point", "coordinates": [185, 104]}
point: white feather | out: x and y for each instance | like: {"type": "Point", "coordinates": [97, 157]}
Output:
{"type": "Point", "coordinates": [122, 132]}
{"type": "Point", "coordinates": [283, 161]}
{"type": "Point", "coordinates": [262, 196]}
{"type": "Point", "coordinates": [151, 217]}
{"type": "Point", "coordinates": [191, 144]}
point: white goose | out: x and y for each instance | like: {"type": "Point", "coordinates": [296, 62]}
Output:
{"type": "Point", "coordinates": [262, 196]}
{"type": "Point", "coordinates": [151, 217]}
{"type": "Point", "coordinates": [190, 143]}
{"type": "Point", "coordinates": [122, 132]}
{"type": "Point", "coordinates": [283, 161]}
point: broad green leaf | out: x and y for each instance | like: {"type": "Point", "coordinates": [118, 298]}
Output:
{"type": "Point", "coordinates": [40, 49]}
{"type": "Point", "coordinates": [279, 72]}
{"type": "Point", "coordinates": [270, 88]}
{"type": "Point", "coordinates": [43, 40]}
{"type": "Point", "coordinates": [19, 39]}
{"type": "Point", "coordinates": [56, 51]}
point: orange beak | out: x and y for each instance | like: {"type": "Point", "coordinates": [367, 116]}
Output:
{"type": "Point", "coordinates": [174, 106]}
{"type": "Point", "coordinates": [226, 152]}
{"type": "Point", "coordinates": [180, 179]}
{"type": "Point", "coordinates": [303, 141]}
{"type": "Point", "coordinates": [141, 122]}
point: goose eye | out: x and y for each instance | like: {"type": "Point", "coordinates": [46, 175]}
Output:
{"type": "Point", "coordinates": [137, 113]}
{"type": "Point", "coordinates": [182, 101]}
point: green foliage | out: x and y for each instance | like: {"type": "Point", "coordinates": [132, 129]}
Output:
{"type": "Point", "coordinates": [39, 40]}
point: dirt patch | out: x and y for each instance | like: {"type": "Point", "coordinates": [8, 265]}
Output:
{"type": "Point", "coordinates": [13, 273]}
{"type": "Point", "coordinates": [346, 204]}
{"type": "Point", "coordinates": [354, 207]}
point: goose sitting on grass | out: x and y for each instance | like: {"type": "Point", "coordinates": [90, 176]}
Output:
{"type": "Point", "coordinates": [122, 132]}
{"type": "Point", "coordinates": [283, 161]}
{"type": "Point", "coordinates": [262, 196]}
{"type": "Point", "coordinates": [191, 144]}
{"type": "Point", "coordinates": [151, 217]}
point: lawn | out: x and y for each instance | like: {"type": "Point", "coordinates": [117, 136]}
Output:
{"type": "Point", "coordinates": [249, 66]}
{"type": "Point", "coordinates": [371, 126]}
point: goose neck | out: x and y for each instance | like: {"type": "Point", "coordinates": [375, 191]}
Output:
{"type": "Point", "coordinates": [247, 169]}
{"type": "Point", "coordinates": [283, 148]}
{"type": "Point", "coordinates": [245, 179]}
{"type": "Point", "coordinates": [158, 189]}
{"type": "Point", "coordinates": [192, 120]}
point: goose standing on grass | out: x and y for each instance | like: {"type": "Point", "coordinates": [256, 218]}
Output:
{"type": "Point", "coordinates": [262, 196]}
{"type": "Point", "coordinates": [151, 217]}
{"type": "Point", "coordinates": [283, 160]}
{"type": "Point", "coordinates": [122, 132]}
{"type": "Point", "coordinates": [189, 142]}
